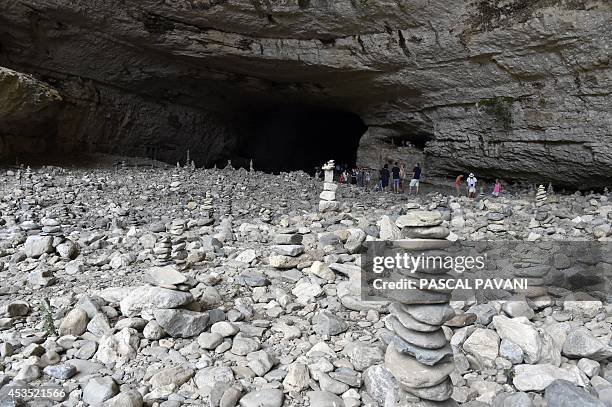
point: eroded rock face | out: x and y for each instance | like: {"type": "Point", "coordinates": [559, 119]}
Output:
{"type": "Point", "coordinates": [519, 89]}
{"type": "Point", "coordinates": [27, 106]}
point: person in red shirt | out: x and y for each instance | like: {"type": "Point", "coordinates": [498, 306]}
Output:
{"type": "Point", "coordinates": [458, 184]}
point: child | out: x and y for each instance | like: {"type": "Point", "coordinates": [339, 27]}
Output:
{"type": "Point", "coordinates": [496, 188]}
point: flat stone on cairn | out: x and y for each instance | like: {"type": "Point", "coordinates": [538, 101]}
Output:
{"type": "Point", "coordinates": [418, 354]}
{"type": "Point", "coordinates": [328, 196]}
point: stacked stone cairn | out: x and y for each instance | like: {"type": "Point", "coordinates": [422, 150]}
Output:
{"type": "Point", "coordinates": [168, 305]}
{"type": "Point", "coordinates": [328, 196]}
{"type": "Point", "coordinates": [418, 354]}
{"type": "Point", "coordinates": [162, 250]}
{"type": "Point", "coordinates": [286, 249]}
{"type": "Point", "coordinates": [178, 253]}
{"type": "Point", "coordinates": [51, 227]}
{"type": "Point", "coordinates": [207, 207]}
{"type": "Point", "coordinates": [540, 196]}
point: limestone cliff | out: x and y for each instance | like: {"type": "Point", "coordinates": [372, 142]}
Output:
{"type": "Point", "coordinates": [511, 88]}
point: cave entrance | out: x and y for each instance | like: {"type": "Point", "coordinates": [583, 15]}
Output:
{"type": "Point", "coordinates": [300, 137]}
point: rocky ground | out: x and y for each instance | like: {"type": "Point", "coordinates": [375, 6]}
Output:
{"type": "Point", "coordinates": [169, 287]}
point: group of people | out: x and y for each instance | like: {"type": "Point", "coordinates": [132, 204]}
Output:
{"type": "Point", "coordinates": [471, 182]}
{"type": "Point", "coordinates": [397, 177]}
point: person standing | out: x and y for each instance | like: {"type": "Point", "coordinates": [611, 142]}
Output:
{"type": "Point", "coordinates": [458, 184]}
{"type": "Point", "coordinates": [471, 183]}
{"type": "Point", "coordinates": [402, 177]}
{"type": "Point", "coordinates": [496, 188]}
{"type": "Point", "coordinates": [416, 178]}
{"type": "Point", "coordinates": [384, 177]}
{"type": "Point", "coordinates": [395, 172]}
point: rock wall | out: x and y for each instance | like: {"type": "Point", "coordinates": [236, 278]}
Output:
{"type": "Point", "coordinates": [510, 88]}
{"type": "Point", "coordinates": [27, 107]}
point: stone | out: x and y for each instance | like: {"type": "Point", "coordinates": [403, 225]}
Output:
{"type": "Point", "coordinates": [28, 373]}
{"type": "Point", "coordinates": [118, 348]}
{"type": "Point", "coordinates": [438, 392]}
{"type": "Point", "coordinates": [519, 332]}
{"type": "Point", "coordinates": [580, 343]}
{"type": "Point", "coordinates": [263, 398]}
{"type": "Point", "coordinates": [327, 324]}
{"type": "Point", "coordinates": [511, 351]}
{"type": "Point", "coordinates": [36, 246]}
{"type": "Point", "coordinates": [518, 399]}
{"type": "Point", "coordinates": [209, 340]}
{"type": "Point", "coordinates": [297, 378]}
{"type": "Point", "coordinates": [243, 345]}
{"type": "Point", "coordinates": [180, 323]}
{"type": "Point", "coordinates": [212, 382]}
{"type": "Point", "coordinates": [129, 398]}
{"type": "Point", "coordinates": [409, 372]}
{"type": "Point", "coordinates": [260, 362]}
{"type": "Point", "coordinates": [291, 250]}
{"type": "Point", "coordinates": [99, 325]}
{"type": "Point", "coordinates": [165, 276]}
{"type": "Point", "coordinates": [378, 382]}
{"type": "Point", "coordinates": [427, 340]}
{"type": "Point", "coordinates": [99, 389]}
{"type": "Point", "coordinates": [539, 377]}
{"type": "Point", "coordinates": [224, 328]}
{"type": "Point", "coordinates": [388, 229]}
{"type": "Point", "coordinates": [590, 367]}
{"type": "Point", "coordinates": [324, 399]}
{"type": "Point", "coordinates": [419, 218]}
{"type": "Point", "coordinates": [563, 393]}
{"type": "Point", "coordinates": [483, 344]}
{"type": "Point", "coordinates": [67, 250]}
{"type": "Point", "coordinates": [429, 357]}
{"type": "Point", "coordinates": [153, 331]}
{"type": "Point", "coordinates": [74, 323]}
{"type": "Point", "coordinates": [60, 371]}
{"type": "Point", "coordinates": [435, 314]}
{"type": "Point", "coordinates": [175, 376]}
{"type": "Point", "coordinates": [363, 355]}
{"type": "Point", "coordinates": [149, 298]}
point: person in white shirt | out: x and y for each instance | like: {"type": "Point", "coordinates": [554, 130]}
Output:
{"type": "Point", "coordinates": [471, 183]}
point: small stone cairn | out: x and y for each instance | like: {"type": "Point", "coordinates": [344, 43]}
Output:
{"type": "Point", "coordinates": [178, 253]}
{"type": "Point", "coordinates": [418, 354]}
{"type": "Point", "coordinates": [328, 196]}
{"type": "Point", "coordinates": [51, 227]}
{"type": "Point", "coordinates": [207, 207]}
{"type": "Point", "coordinates": [286, 249]}
{"type": "Point", "coordinates": [540, 197]}
{"type": "Point", "coordinates": [162, 251]}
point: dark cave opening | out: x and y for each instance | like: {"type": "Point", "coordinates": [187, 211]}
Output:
{"type": "Point", "coordinates": [292, 137]}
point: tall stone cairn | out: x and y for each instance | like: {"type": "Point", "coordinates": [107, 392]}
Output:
{"type": "Point", "coordinates": [541, 196]}
{"type": "Point", "coordinates": [419, 355]}
{"type": "Point", "coordinates": [328, 196]}
{"type": "Point", "coordinates": [207, 207]}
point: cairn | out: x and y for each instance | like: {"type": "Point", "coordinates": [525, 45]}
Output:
{"type": "Point", "coordinates": [418, 354]}
{"type": "Point", "coordinates": [328, 196]}
{"type": "Point", "coordinates": [162, 251]}
{"type": "Point", "coordinates": [251, 168]}
{"type": "Point", "coordinates": [550, 190]}
{"type": "Point", "coordinates": [207, 207]}
{"type": "Point", "coordinates": [51, 227]}
{"type": "Point", "coordinates": [286, 250]}
{"type": "Point", "coordinates": [540, 196]}
{"type": "Point", "coordinates": [177, 227]}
